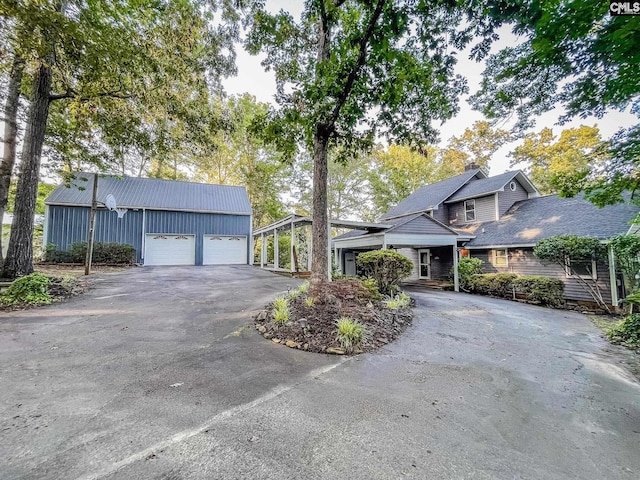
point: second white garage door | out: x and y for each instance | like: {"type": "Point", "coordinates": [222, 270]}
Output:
{"type": "Point", "coordinates": [170, 250]}
{"type": "Point", "coordinates": [224, 250]}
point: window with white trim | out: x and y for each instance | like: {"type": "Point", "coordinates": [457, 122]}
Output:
{"type": "Point", "coordinates": [470, 210]}
{"type": "Point", "coordinates": [584, 269]}
{"type": "Point", "coordinates": [500, 258]}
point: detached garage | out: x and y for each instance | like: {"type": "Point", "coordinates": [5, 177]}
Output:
{"type": "Point", "coordinates": [167, 222]}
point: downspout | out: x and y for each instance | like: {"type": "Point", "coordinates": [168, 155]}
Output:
{"type": "Point", "coordinates": [612, 276]}
{"type": "Point", "coordinates": [144, 231]}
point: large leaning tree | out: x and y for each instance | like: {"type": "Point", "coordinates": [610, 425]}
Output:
{"type": "Point", "coordinates": [351, 71]}
{"type": "Point", "coordinates": [89, 60]}
{"type": "Point", "coordinates": [576, 55]}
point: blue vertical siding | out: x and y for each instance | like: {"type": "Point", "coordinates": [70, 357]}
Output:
{"type": "Point", "coordinates": [68, 225]}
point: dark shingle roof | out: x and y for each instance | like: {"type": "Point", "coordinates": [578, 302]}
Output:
{"type": "Point", "coordinates": [484, 186]}
{"type": "Point", "coordinates": [530, 221]}
{"type": "Point", "coordinates": [430, 196]}
{"type": "Point", "coordinates": [153, 193]}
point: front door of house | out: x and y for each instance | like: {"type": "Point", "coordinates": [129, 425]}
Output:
{"type": "Point", "coordinates": [424, 257]}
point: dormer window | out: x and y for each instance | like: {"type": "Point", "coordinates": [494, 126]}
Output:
{"type": "Point", "coordinates": [470, 210]}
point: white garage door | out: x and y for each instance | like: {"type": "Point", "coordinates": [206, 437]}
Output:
{"type": "Point", "coordinates": [161, 249]}
{"type": "Point", "coordinates": [221, 250]}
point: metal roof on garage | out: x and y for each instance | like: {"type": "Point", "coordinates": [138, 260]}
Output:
{"type": "Point", "coordinates": [154, 193]}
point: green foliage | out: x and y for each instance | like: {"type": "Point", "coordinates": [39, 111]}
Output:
{"type": "Point", "coordinates": [494, 284]}
{"type": "Point", "coordinates": [109, 253]}
{"type": "Point", "coordinates": [476, 145]}
{"type": "Point", "coordinates": [548, 159]}
{"type": "Point", "coordinates": [536, 289]}
{"type": "Point", "coordinates": [543, 290]}
{"type": "Point", "coordinates": [575, 55]}
{"type": "Point", "coordinates": [304, 288]}
{"type": "Point", "coordinates": [44, 189]}
{"type": "Point", "coordinates": [626, 249]}
{"type": "Point", "coordinates": [399, 301]}
{"type": "Point", "coordinates": [349, 334]}
{"type": "Point", "coordinates": [372, 286]}
{"type": "Point", "coordinates": [386, 267]}
{"type": "Point", "coordinates": [633, 299]}
{"type": "Point", "coordinates": [561, 248]}
{"type": "Point", "coordinates": [31, 289]}
{"type": "Point", "coordinates": [467, 267]}
{"type": "Point", "coordinates": [336, 274]}
{"type": "Point", "coordinates": [309, 302]}
{"type": "Point", "coordinates": [626, 332]}
{"type": "Point", "coordinates": [280, 311]}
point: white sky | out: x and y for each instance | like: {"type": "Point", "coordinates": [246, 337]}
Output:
{"type": "Point", "coordinates": [253, 79]}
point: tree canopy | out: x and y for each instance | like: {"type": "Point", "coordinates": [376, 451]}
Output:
{"type": "Point", "coordinates": [548, 159]}
{"type": "Point", "coordinates": [349, 70]}
{"type": "Point", "coordinates": [573, 54]}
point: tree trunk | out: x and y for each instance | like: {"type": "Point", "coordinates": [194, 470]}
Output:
{"type": "Point", "coordinates": [10, 133]}
{"type": "Point", "coordinates": [19, 259]}
{"type": "Point", "coordinates": [319, 258]}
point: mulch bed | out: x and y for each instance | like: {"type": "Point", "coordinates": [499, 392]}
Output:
{"type": "Point", "coordinates": [314, 328]}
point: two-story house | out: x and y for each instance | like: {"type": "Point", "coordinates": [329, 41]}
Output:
{"type": "Point", "coordinates": [498, 219]}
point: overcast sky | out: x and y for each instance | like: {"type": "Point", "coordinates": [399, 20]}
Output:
{"type": "Point", "coordinates": [253, 79]}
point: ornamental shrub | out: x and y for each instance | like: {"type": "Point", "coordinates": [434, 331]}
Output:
{"type": "Point", "coordinates": [32, 289]}
{"type": "Point", "coordinates": [543, 290]}
{"type": "Point", "coordinates": [349, 333]}
{"type": "Point", "coordinates": [627, 331]}
{"type": "Point", "coordinates": [494, 284]}
{"type": "Point", "coordinates": [467, 266]}
{"type": "Point", "coordinates": [109, 253]}
{"type": "Point", "coordinates": [387, 267]}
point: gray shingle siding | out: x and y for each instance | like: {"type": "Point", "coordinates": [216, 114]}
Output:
{"type": "Point", "coordinates": [508, 197]}
{"type": "Point", "coordinates": [67, 225]}
{"type": "Point", "coordinates": [521, 261]}
{"type": "Point", "coordinates": [485, 211]}
{"type": "Point", "coordinates": [421, 225]}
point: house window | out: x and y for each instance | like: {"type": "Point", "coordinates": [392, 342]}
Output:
{"type": "Point", "coordinates": [513, 186]}
{"type": "Point", "coordinates": [584, 269]}
{"type": "Point", "coordinates": [470, 210]}
{"type": "Point", "coordinates": [500, 258]}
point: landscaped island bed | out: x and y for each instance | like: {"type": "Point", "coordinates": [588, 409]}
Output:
{"type": "Point", "coordinates": [311, 322]}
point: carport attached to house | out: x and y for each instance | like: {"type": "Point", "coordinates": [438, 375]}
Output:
{"type": "Point", "coordinates": [167, 222]}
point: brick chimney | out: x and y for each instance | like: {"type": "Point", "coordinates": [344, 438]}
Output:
{"type": "Point", "coordinates": [471, 166]}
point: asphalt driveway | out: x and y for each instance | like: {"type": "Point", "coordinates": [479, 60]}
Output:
{"type": "Point", "coordinates": [154, 374]}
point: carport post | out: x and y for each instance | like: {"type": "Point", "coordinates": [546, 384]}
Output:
{"type": "Point", "coordinates": [456, 284]}
{"type": "Point", "coordinates": [276, 250]}
{"type": "Point", "coordinates": [263, 250]}
{"type": "Point", "coordinates": [293, 245]}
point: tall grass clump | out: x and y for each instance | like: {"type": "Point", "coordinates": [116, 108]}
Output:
{"type": "Point", "coordinates": [349, 334]}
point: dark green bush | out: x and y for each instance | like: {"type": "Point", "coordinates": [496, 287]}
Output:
{"type": "Point", "coordinates": [543, 290]}
{"type": "Point", "coordinates": [495, 284]}
{"type": "Point", "coordinates": [32, 289]}
{"type": "Point", "coordinates": [372, 286]}
{"type": "Point", "coordinates": [386, 267]}
{"type": "Point", "coordinates": [627, 332]}
{"type": "Point", "coordinates": [467, 267]}
{"type": "Point", "coordinates": [110, 253]}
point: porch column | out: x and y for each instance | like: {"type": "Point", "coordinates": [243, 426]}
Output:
{"type": "Point", "coordinates": [336, 258]}
{"type": "Point", "coordinates": [293, 245]}
{"type": "Point", "coordinates": [263, 250]}
{"type": "Point", "coordinates": [384, 242]}
{"type": "Point", "coordinates": [612, 276]}
{"type": "Point", "coordinates": [276, 250]}
{"type": "Point", "coordinates": [456, 283]}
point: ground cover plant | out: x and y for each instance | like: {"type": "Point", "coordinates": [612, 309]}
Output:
{"type": "Point", "coordinates": [40, 289]}
{"type": "Point", "coordinates": [350, 317]}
